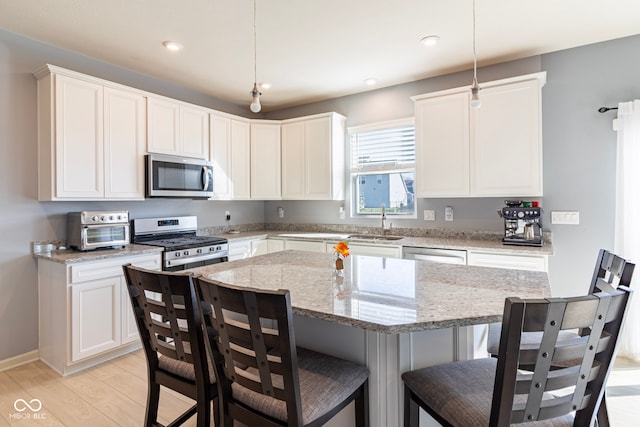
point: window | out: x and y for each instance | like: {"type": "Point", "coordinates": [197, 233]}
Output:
{"type": "Point", "coordinates": [383, 168]}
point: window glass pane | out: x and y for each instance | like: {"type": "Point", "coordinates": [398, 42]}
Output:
{"type": "Point", "coordinates": [394, 190]}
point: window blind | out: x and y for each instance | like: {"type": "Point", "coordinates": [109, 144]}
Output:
{"type": "Point", "coordinates": [388, 149]}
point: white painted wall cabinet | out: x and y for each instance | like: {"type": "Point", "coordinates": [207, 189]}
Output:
{"type": "Point", "coordinates": [313, 163]}
{"type": "Point", "coordinates": [463, 152]}
{"type": "Point", "coordinates": [90, 138]}
{"type": "Point", "coordinates": [230, 154]}
{"type": "Point", "coordinates": [265, 160]}
{"type": "Point", "coordinates": [177, 128]}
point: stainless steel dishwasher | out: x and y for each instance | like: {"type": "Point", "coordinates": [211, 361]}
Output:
{"type": "Point", "coordinates": [444, 256]}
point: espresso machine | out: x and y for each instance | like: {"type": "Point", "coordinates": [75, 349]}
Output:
{"type": "Point", "coordinates": [522, 223]}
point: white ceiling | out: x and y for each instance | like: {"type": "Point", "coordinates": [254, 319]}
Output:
{"type": "Point", "coordinates": [312, 50]}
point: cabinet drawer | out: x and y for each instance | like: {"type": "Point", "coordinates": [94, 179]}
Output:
{"type": "Point", "coordinates": [514, 262]}
{"type": "Point", "coordinates": [94, 270]}
{"type": "Point", "coordinates": [299, 245]}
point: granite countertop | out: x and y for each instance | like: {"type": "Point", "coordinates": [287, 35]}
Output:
{"type": "Point", "coordinates": [484, 242]}
{"type": "Point", "coordinates": [382, 294]}
{"type": "Point", "coordinates": [68, 256]}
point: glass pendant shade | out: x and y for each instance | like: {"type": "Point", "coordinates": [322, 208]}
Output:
{"type": "Point", "coordinates": [255, 99]}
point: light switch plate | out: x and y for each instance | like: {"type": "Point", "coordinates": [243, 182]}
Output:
{"type": "Point", "coordinates": [429, 215]}
{"type": "Point", "coordinates": [564, 217]}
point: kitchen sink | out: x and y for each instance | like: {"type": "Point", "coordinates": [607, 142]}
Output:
{"type": "Point", "coordinates": [374, 237]}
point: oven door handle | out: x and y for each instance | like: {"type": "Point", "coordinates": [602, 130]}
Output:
{"type": "Point", "coordinates": [205, 175]}
{"type": "Point", "coordinates": [181, 261]}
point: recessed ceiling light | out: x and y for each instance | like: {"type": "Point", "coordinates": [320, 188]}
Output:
{"type": "Point", "coordinates": [430, 40]}
{"type": "Point", "coordinates": [172, 46]}
{"type": "Point", "coordinates": [370, 81]}
{"type": "Point", "coordinates": [264, 85]}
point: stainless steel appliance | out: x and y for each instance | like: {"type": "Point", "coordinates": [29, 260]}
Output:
{"type": "Point", "coordinates": [522, 223]}
{"type": "Point", "coordinates": [183, 249]}
{"type": "Point", "coordinates": [88, 230]}
{"type": "Point", "coordinates": [175, 176]}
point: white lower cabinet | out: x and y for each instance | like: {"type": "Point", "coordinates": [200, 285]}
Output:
{"type": "Point", "coordinates": [85, 312]}
{"type": "Point", "coordinates": [508, 261]}
{"type": "Point", "coordinates": [304, 245]}
{"type": "Point", "coordinates": [247, 248]}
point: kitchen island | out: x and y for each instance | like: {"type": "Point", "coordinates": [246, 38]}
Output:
{"type": "Point", "coordinates": [393, 315]}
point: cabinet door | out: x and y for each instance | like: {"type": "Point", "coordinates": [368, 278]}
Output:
{"type": "Point", "coordinates": [317, 146]}
{"type": "Point", "coordinates": [506, 147]}
{"type": "Point", "coordinates": [79, 139]}
{"type": "Point", "coordinates": [508, 261]}
{"type": "Point", "coordinates": [129, 326]}
{"type": "Point", "coordinates": [194, 132]}
{"type": "Point", "coordinates": [124, 144]}
{"type": "Point", "coordinates": [275, 245]}
{"type": "Point", "coordinates": [265, 161]}
{"type": "Point", "coordinates": [259, 247]}
{"type": "Point", "coordinates": [220, 151]}
{"type": "Point", "coordinates": [240, 160]}
{"type": "Point", "coordinates": [95, 317]}
{"type": "Point", "coordinates": [239, 250]}
{"type": "Point", "coordinates": [163, 126]}
{"type": "Point", "coordinates": [442, 146]}
{"type": "Point", "coordinates": [294, 161]}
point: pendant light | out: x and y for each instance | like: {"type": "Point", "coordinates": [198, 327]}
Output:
{"type": "Point", "coordinates": [475, 89]}
{"type": "Point", "coordinates": [255, 94]}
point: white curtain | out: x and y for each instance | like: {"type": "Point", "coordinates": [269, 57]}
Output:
{"type": "Point", "coordinates": [627, 226]}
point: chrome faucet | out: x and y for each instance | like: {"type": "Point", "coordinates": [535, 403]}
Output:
{"type": "Point", "coordinates": [384, 217]}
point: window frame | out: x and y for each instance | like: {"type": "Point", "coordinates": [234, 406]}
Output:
{"type": "Point", "coordinates": [354, 173]}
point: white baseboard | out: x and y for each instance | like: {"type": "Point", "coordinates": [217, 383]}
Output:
{"type": "Point", "coordinates": [18, 360]}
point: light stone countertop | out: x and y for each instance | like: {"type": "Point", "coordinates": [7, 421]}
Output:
{"type": "Point", "coordinates": [486, 243]}
{"type": "Point", "coordinates": [383, 294]}
{"type": "Point", "coordinates": [68, 256]}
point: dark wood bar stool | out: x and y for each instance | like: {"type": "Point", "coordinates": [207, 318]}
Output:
{"type": "Point", "coordinates": [610, 272]}
{"type": "Point", "coordinates": [499, 392]}
{"type": "Point", "coordinates": [264, 380]}
{"type": "Point", "coordinates": [170, 324]}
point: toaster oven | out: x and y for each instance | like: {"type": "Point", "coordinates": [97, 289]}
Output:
{"type": "Point", "coordinates": [88, 230]}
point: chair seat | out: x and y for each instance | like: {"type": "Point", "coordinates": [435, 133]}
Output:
{"type": "Point", "coordinates": [182, 369]}
{"type": "Point", "coordinates": [462, 392]}
{"type": "Point", "coordinates": [325, 382]}
{"type": "Point", "coordinates": [528, 338]}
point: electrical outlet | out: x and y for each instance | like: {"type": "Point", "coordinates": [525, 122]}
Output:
{"type": "Point", "coordinates": [227, 215]}
{"type": "Point", "coordinates": [341, 212]}
{"type": "Point", "coordinates": [448, 213]}
{"type": "Point", "coordinates": [571, 218]}
{"type": "Point", "coordinates": [281, 212]}
{"type": "Point", "coordinates": [429, 215]}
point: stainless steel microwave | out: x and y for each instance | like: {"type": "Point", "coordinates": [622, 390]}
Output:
{"type": "Point", "coordinates": [176, 176]}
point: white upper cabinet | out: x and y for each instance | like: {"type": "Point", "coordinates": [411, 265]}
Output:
{"type": "Point", "coordinates": [230, 155]}
{"type": "Point", "coordinates": [494, 151]}
{"type": "Point", "coordinates": [177, 128]}
{"type": "Point", "coordinates": [506, 147]}
{"type": "Point", "coordinates": [90, 138]}
{"type": "Point", "coordinates": [124, 146]}
{"type": "Point", "coordinates": [265, 160]}
{"type": "Point", "coordinates": [313, 163]}
{"type": "Point", "coordinates": [442, 146]}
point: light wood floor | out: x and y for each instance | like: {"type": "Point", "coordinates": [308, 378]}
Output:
{"type": "Point", "coordinates": [115, 393]}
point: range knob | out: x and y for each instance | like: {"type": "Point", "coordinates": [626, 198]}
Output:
{"type": "Point", "coordinates": [199, 251]}
{"type": "Point", "coordinates": [186, 253]}
{"type": "Point", "coordinates": [94, 218]}
{"type": "Point", "coordinates": [177, 254]}
{"type": "Point", "coordinates": [520, 214]}
{"type": "Point", "coordinates": [102, 218]}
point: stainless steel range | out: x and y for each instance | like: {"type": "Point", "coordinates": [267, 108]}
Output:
{"type": "Point", "coordinates": [183, 249]}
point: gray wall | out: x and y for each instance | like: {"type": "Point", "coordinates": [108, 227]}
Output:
{"type": "Point", "coordinates": [579, 148]}
{"type": "Point", "coordinates": [23, 219]}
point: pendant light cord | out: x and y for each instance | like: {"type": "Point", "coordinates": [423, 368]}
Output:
{"type": "Point", "coordinates": [255, 49]}
{"type": "Point", "coordinates": [475, 80]}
